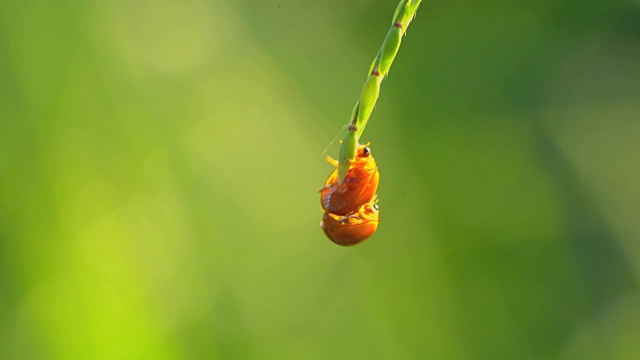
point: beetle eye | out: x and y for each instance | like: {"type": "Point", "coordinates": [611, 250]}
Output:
{"type": "Point", "coordinates": [375, 207]}
{"type": "Point", "coordinates": [366, 151]}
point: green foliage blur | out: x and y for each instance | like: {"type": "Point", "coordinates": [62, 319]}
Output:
{"type": "Point", "coordinates": [160, 164]}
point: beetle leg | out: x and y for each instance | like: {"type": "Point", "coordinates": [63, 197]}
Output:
{"type": "Point", "coordinates": [332, 161]}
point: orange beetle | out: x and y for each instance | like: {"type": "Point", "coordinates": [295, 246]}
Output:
{"type": "Point", "coordinates": [358, 187]}
{"type": "Point", "coordinates": [351, 229]}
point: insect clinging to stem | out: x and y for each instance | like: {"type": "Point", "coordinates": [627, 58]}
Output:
{"type": "Point", "coordinates": [351, 212]}
{"type": "Point", "coordinates": [348, 197]}
{"type": "Point", "coordinates": [357, 188]}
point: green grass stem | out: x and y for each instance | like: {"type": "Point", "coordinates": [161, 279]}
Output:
{"type": "Point", "coordinates": [404, 14]}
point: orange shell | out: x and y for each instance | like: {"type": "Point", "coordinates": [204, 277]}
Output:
{"type": "Point", "coordinates": [352, 229]}
{"type": "Point", "coordinates": [358, 187]}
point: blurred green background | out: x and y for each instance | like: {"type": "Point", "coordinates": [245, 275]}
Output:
{"type": "Point", "coordinates": [160, 162]}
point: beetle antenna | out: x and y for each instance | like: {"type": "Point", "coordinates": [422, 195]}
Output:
{"type": "Point", "coordinates": [335, 138]}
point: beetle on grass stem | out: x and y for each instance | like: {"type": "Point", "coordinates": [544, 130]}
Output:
{"type": "Point", "coordinates": [349, 193]}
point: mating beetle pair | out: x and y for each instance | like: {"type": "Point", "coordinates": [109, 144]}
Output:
{"type": "Point", "coordinates": [351, 212]}
{"type": "Point", "coordinates": [349, 199]}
